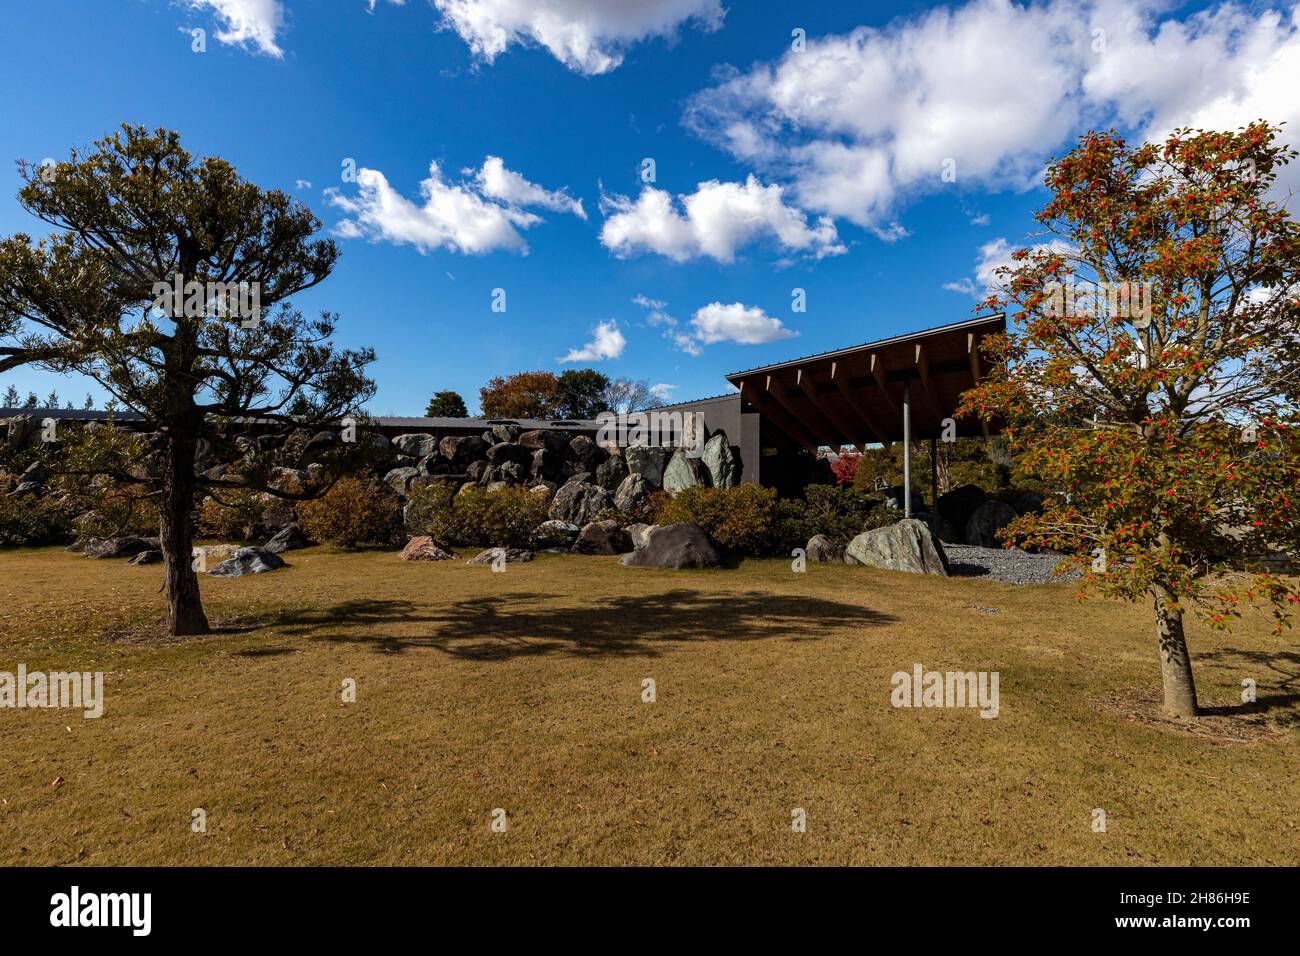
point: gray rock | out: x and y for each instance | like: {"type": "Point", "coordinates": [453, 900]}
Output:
{"type": "Point", "coordinates": [497, 485]}
{"type": "Point", "coordinates": [512, 473]}
{"type": "Point", "coordinates": [544, 489]}
{"type": "Point", "coordinates": [512, 555]}
{"type": "Point", "coordinates": [673, 546]}
{"type": "Point", "coordinates": [611, 472]}
{"type": "Point", "coordinates": [682, 473]}
{"type": "Point", "coordinates": [416, 445]}
{"type": "Point", "coordinates": [27, 488]}
{"type": "Point", "coordinates": [478, 471]}
{"type": "Point", "coordinates": [823, 550]}
{"type": "Point", "coordinates": [119, 547]}
{"type": "Point", "coordinates": [147, 557]}
{"type": "Point", "coordinates": [632, 492]}
{"type": "Point", "coordinates": [505, 433]}
{"type": "Point", "coordinates": [23, 430]}
{"type": "Point", "coordinates": [1027, 502]}
{"type": "Point", "coordinates": [288, 538]}
{"type": "Point", "coordinates": [646, 461]}
{"type": "Point", "coordinates": [553, 439]}
{"type": "Point", "coordinates": [638, 533]}
{"type": "Point", "coordinates": [399, 479]}
{"type": "Point", "coordinates": [602, 537]}
{"type": "Point", "coordinates": [586, 452]}
{"type": "Point", "coordinates": [248, 561]}
{"type": "Point", "coordinates": [720, 461]}
{"type": "Point", "coordinates": [546, 464]}
{"type": "Point", "coordinates": [578, 502]}
{"type": "Point", "coordinates": [986, 521]}
{"type": "Point", "coordinates": [555, 534]}
{"type": "Point", "coordinates": [907, 545]}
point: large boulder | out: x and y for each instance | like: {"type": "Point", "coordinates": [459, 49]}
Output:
{"type": "Point", "coordinates": [288, 538]}
{"type": "Point", "coordinates": [22, 430]}
{"type": "Point", "coordinates": [416, 445]}
{"type": "Point", "coordinates": [602, 537]}
{"type": "Point", "coordinates": [646, 461]}
{"type": "Point", "coordinates": [823, 550]}
{"type": "Point", "coordinates": [907, 545]}
{"type": "Point", "coordinates": [720, 462]}
{"type": "Point", "coordinates": [119, 547]}
{"type": "Point", "coordinates": [638, 533]}
{"type": "Point", "coordinates": [512, 473]}
{"type": "Point", "coordinates": [248, 561]}
{"type": "Point", "coordinates": [1027, 502]}
{"type": "Point", "coordinates": [315, 448]}
{"type": "Point", "coordinates": [557, 535]}
{"type": "Point", "coordinates": [549, 438]}
{"type": "Point", "coordinates": [611, 472]}
{"type": "Point", "coordinates": [147, 557]}
{"type": "Point", "coordinates": [462, 449]}
{"type": "Point", "coordinates": [682, 472]}
{"type": "Point", "coordinates": [399, 479]}
{"type": "Point", "coordinates": [424, 548]}
{"type": "Point", "coordinates": [986, 521]}
{"type": "Point", "coordinates": [505, 433]}
{"type": "Point", "coordinates": [673, 546]}
{"type": "Point", "coordinates": [632, 492]}
{"type": "Point", "coordinates": [492, 555]}
{"type": "Point", "coordinates": [503, 452]}
{"type": "Point", "coordinates": [579, 502]}
{"type": "Point", "coordinates": [586, 452]}
{"type": "Point", "coordinates": [956, 506]}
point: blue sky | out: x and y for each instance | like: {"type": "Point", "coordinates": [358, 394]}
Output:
{"type": "Point", "coordinates": [820, 168]}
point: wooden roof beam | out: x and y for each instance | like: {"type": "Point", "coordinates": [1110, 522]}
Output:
{"type": "Point", "coordinates": [850, 429]}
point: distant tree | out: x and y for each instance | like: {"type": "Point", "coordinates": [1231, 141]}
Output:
{"type": "Point", "coordinates": [51, 400]}
{"type": "Point", "coordinates": [446, 404]}
{"type": "Point", "coordinates": [31, 401]}
{"type": "Point", "coordinates": [1152, 374]}
{"type": "Point", "coordinates": [522, 395]}
{"type": "Point", "coordinates": [136, 212]}
{"type": "Point", "coordinates": [89, 403]}
{"type": "Point", "coordinates": [582, 393]}
{"type": "Point", "coordinates": [11, 398]}
{"type": "Point", "coordinates": [624, 395]}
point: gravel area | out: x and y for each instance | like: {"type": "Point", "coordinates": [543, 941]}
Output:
{"type": "Point", "coordinates": [1000, 564]}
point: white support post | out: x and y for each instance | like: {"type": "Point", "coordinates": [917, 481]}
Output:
{"type": "Point", "coordinates": [907, 449]}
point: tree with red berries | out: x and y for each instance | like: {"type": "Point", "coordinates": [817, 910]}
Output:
{"type": "Point", "coordinates": [1151, 375]}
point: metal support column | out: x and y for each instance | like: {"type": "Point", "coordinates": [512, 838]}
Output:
{"type": "Point", "coordinates": [907, 449]}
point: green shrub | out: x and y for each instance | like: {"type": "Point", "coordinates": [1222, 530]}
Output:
{"type": "Point", "coordinates": [234, 516]}
{"type": "Point", "coordinates": [739, 519]}
{"type": "Point", "coordinates": [840, 512]}
{"type": "Point", "coordinates": [354, 511]}
{"type": "Point", "coordinates": [27, 521]}
{"type": "Point", "coordinates": [503, 517]}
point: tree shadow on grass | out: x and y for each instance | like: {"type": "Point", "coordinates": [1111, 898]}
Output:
{"type": "Point", "coordinates": [1279, 669]}
{"type": "Point", "coordinates": [501, 627]}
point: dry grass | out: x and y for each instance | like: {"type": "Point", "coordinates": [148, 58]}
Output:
{"type": "Point", "coordinates": [523, 691]}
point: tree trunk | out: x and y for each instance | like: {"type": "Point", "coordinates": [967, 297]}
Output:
{"type": "Point", "coordinates": [1175, 664]}
{"type": "Point", "coordinates": [184, 606]}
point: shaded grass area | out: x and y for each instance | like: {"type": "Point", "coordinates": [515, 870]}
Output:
{"type": "Point", "coordinates": [523, 691]}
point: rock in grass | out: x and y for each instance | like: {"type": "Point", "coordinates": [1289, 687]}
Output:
{"type": "Point", "coordinates": [424, 548]}
{"type": "Point", "coordinates": [602, 537]}
{"type": "Point", "coordinates": [907, 545]}
{"type": "Point", "coordinates": [248, 561]}
{"type": "Point", "coordinates": [512, 555]}
{"type": "Point", "coordinates": [288, 538]}
{"type": "Point", "coordinates": [119, 547]}
{"type": "Point", "coordinates": [823, 550]}
{"type": "Point", "coordinates": [147, 557]}
{"type": "Point", "coordinates": [673, 546]}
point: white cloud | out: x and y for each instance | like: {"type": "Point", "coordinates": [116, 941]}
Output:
{"type": "Point", "coordinates": [607, 343]}
{"type": "Point", "coordinates": [461, 217]}
{"type": "Point", "coordinates": [656, 311]}
{"type": "Point", "coordinates": [587, 36]}
{"type": "Point", "coordinates": [737, 322]}
{"type": "Point", "coordinates": [246, 21]}
{"type": "Point", "coordinates": [714, 221]}
{"type": "Point", "coordinates": [496, 181]}
{"type": "Point", "coordinates": [663, 391]}
{"type": "Point", "coordinates": [860, 122]}
{"type": "Point", "coordinates": [302, 184]}
{"type": "Point", "coordinates": [992, 256]}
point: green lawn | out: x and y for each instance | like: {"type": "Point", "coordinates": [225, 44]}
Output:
{"type": "Point", "coordinates": [522, 691]}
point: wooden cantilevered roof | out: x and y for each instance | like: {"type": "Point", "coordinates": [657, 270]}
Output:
{"type": "Point", "coordinates": [854, 396]}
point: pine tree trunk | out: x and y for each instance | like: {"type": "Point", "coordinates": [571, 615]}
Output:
{"type": "Point", "coordinates": [1175, 664]}
{"type": "Point", "coordinates": [184, 606]}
